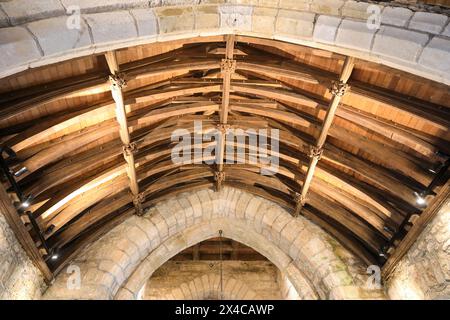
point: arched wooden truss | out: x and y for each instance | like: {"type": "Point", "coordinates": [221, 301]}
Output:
{"type": "Point", "coordinates": [357, 140]}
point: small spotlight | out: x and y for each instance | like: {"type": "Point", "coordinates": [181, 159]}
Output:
{"type": "Point", "coordinates": [420, 199]}
{"type": "Point", "coordinates": [20, 171]}
{"type": "Point", "coordinates": [381, 254]}
{"type": "Point", "coordinates": [55, 257]}
{"type": "Point", "coordinates": [26, 203]}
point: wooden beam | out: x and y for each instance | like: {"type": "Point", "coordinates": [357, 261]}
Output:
{"type": "Point", "coordinates": [338, 90]}
{"type": "Point", "coordinates": [228, 67]}
{"type": "Point", "coordinates": [418, 227]}
{"type": "Point", "coordinates": [16, 224]}
{"type": "Point", "coordinates": [117, 83]}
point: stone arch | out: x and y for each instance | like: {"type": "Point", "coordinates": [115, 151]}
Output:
{"type": "Point", "coordinates": [207, 287]}
{"type": "Point", "coordinates": [337, 25]}
{"type": "Point", "coordinates": [117, 264]}
{"type": "Point", "coordinates": [232, 229]}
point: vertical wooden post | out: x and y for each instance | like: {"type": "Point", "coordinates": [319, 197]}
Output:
{"type": "Point", "coordinates": [337, 90]}
{"type": "Point", "coordinates": [129, 148]}
{"type": "Point", "coordinates": [228, 66]}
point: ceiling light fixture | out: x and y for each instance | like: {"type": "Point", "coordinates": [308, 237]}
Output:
{"type": "Point", "coordinates": [420, 199]}
{"type": "Point", "coordinates": [27, 202]}
{"type": "Point", "coordinates": [20, 172]}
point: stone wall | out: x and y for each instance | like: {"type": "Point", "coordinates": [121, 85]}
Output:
{"type": "Point", "coordinates": [19, 278]}
{"type": "Point", "coordinates": [424, 272]}
{"type": "Point", "coordinates": [287, 290]}
{"type": "Point", "coordinates": [37, 33]}
{"type": "Point", "coordinates": [119, 264]}
{"type": "Point", "coordinates": [200, 280]}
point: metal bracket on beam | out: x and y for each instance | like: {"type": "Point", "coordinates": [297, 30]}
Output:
{"type": "Point", "coordinates": [228, 66]}
{"type": "Point", "coordinates": [129, 149]}
{"type": "Point", "coordinates": [338, 88]}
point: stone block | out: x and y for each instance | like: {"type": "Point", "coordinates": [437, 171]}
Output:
{"type": "Point", "coordinates": [89, 6]}
{"type": "Point", "coordinates": [446, 31]}
{"type": "Point", "coordinates": [176, 19]}
{"type": "Point", "coordinates": [17, 47]}
{"type": "Point", "coordinates": [4, 22]}
{"type": "Point", "coordinates": [330, 7]}
{"type": "Point", "coordinates": [355, 35]}
{"type": "Point", "coordinates": [399, 44]}
{"type": "Point", "coordinates": [301, 5]}
{"type": "Point", "coordinates": [326, 28]}
{"type": "Point", "coordinates": [236, 17]}
{"type": "Point", "coordinates": [263, 20]}
{"type": "Point", "coordinates": [436, 56]}
{"type": "Point", "coordinates": [146, 22]}
{"type": "Point", "coordinates": [111, 26]}
{"type": "Point", "coordinates": [357, 10]}
{"type": "Point", "coordinates": [396, 16]}
{"type": "Point", "coordinates": [428, 22]}
{"type": "Point", "coordinates": [206, 17]}
{"type": "Point", "coordinates": [295, 24]}
{"type": "Point", "coordinates": [54, 35]}
{"type": "Point", "coordinates": [22, 11]}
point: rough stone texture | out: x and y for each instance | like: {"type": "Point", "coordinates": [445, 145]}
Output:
{"type": "Point", "coordinates": [175, 20]}
{"type": "Point", "coordinates": [357, 10]}
{"type": "Point", "coordinates": [436, 55]}
{"type": "Point", "coordinates": [236, 17]}
{"type": "Point", "coordinates": [207, 18]}
{"type": "Point", "coordinates": [446, 31]}
{"type": "Point", "coordinates": [399, 43]}
{"type": "Point", "coordinates": [287, 290]}
{"type": "Point", "coordinates": [424, 272]}
{"type": "Point", "coordinates": [17, 46]}
{"type": "Point", "coordinates": [294, 24]}
{"type": "Point", "coordinates": [326, 29]}
{"type": "Point", "coordinates": [188, 280]}
{"type": "Point", "coordinates": [300, 5]}
{"type": "Point", "coordinates": [19, 278]}
{"type": "Point", "coordinates": [313, 262]}
{"type": "Point", "coordinates": [330, 7]}
{"type": "Point", "coordinates": [4, 21]}
{"type": "Point", "coordinates": [89, 6]}
{"type": "Point", "coordinates": [354, 34]}
{"type": "Point", "coordinates": [117, 24]}
{"type": "Point", "coordinates": [428, 22]}
{"type": "Point", "coordinates": [146, 22]}
{"type": "Point", "coordinates": [21, 11]}
{"type": "Point", "coordinates": [263, 20]}
{"type": "Point", "coordinates": [396, 16]}
{"type": "Point", "coordinates": [111, 27]}
{"type": "Point", "coordinates": [54, 36]}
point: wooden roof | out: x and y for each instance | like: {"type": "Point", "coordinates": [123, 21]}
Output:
{"type": "Point", "coordinates": [387, 137]}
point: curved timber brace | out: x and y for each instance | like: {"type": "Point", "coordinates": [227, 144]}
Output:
{"type": "Point", "coordinates": [337, 89]}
